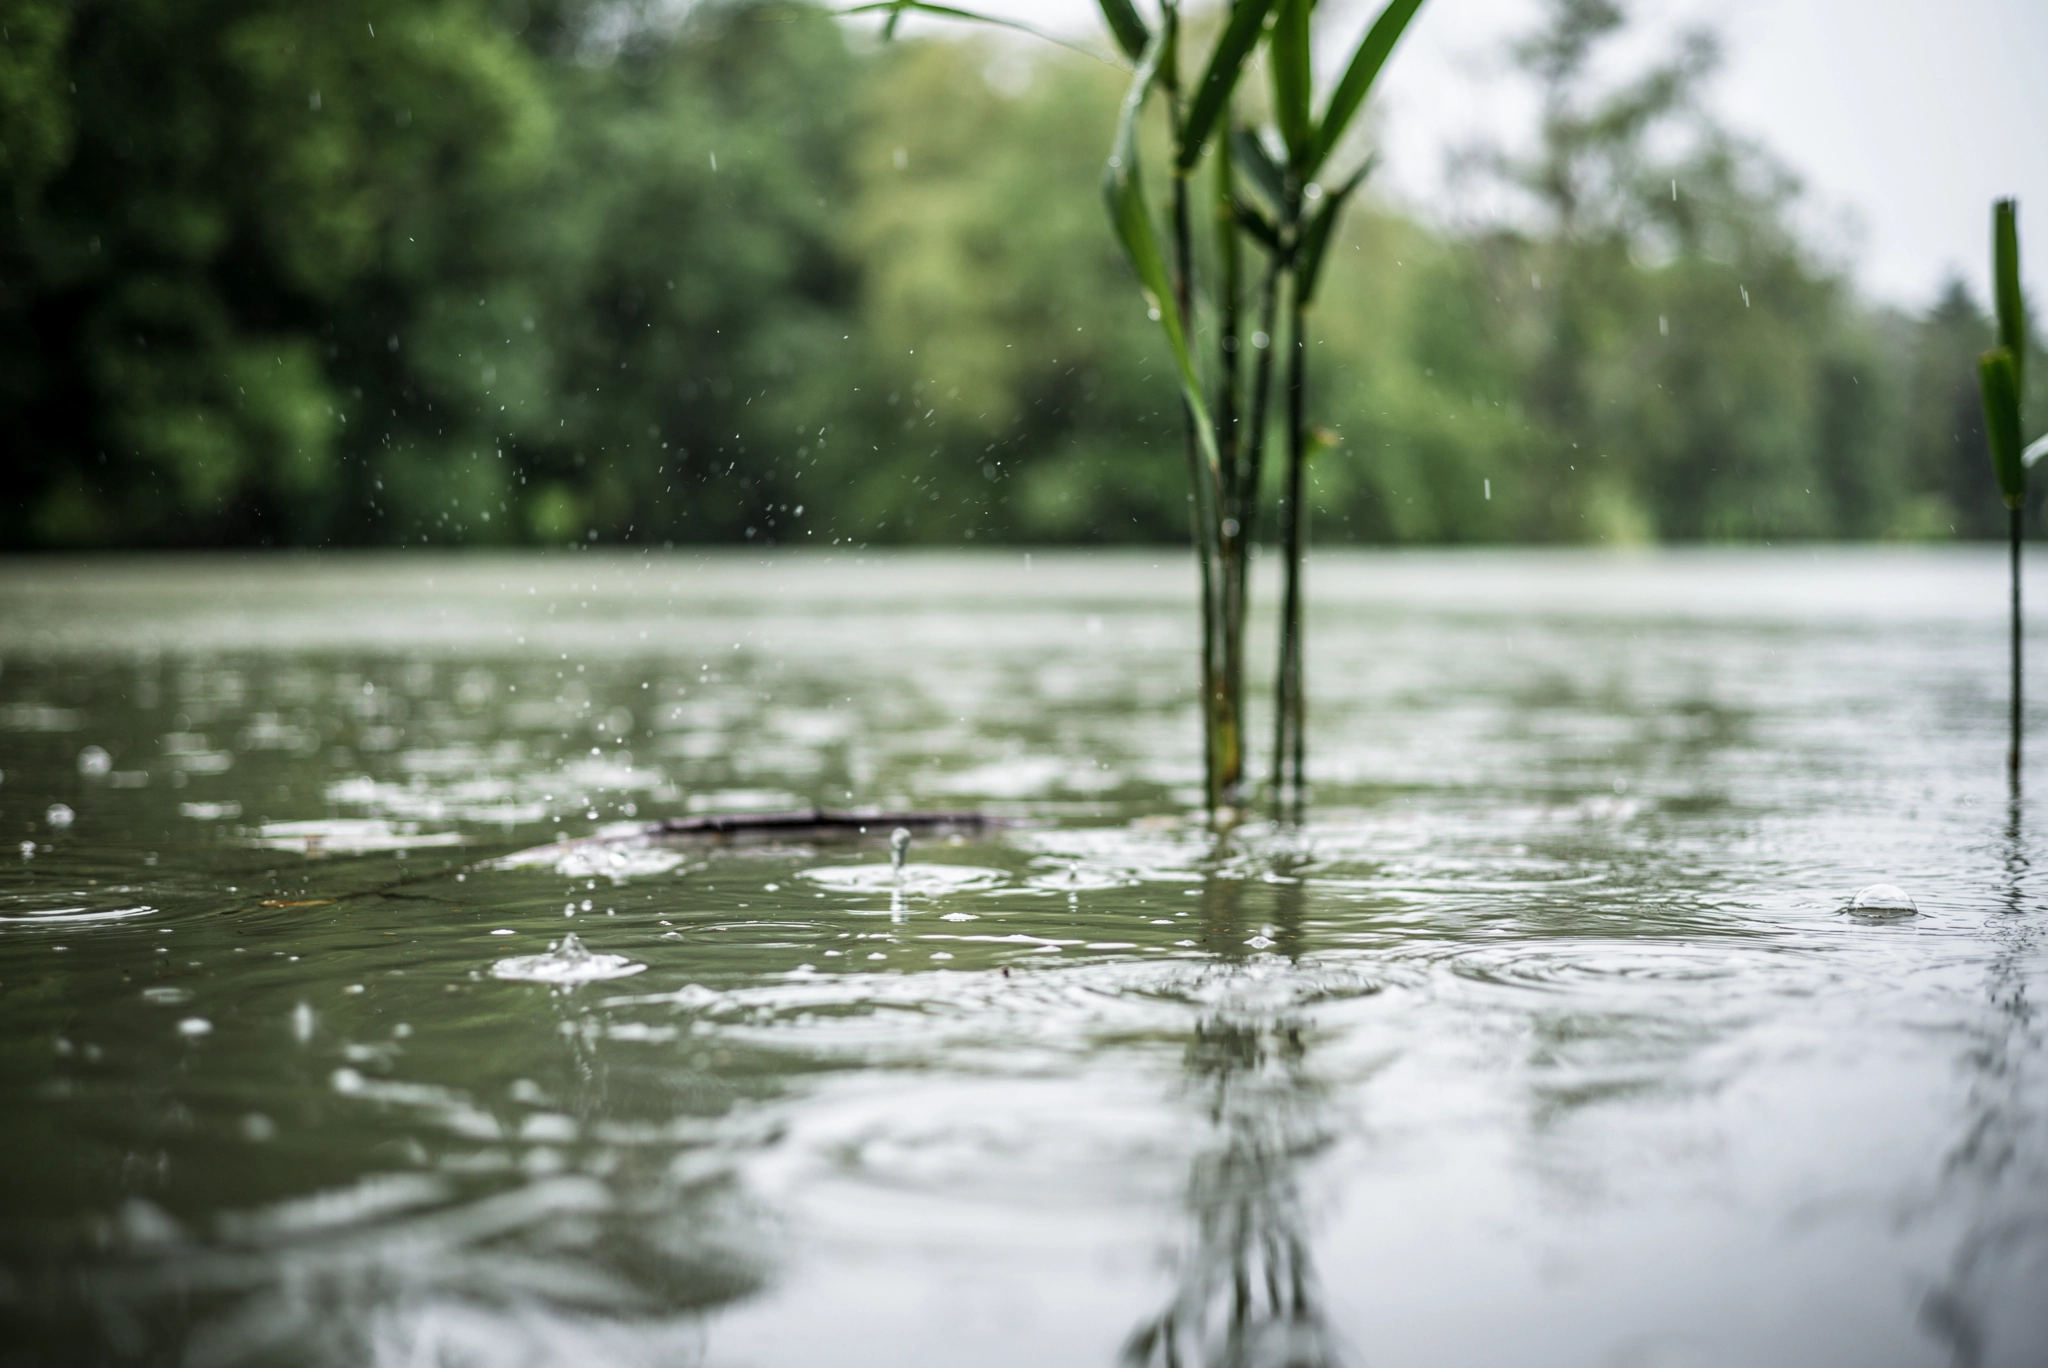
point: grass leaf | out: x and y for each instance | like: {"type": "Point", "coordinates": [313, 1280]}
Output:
{"type": "Point", "coordinates": [1226, 64]}
{"type": "Point", "coordinates": [897, 8]}
{"type": "Point", "coordinates": [1124, 190]}
{"type": "Point", "coordinates": [1249, 152]}
{"type": "Point", "coordinates": [1356, 83]}
{"type": "Point", "coordinates": [1315, 238]}
{"type": "Point", "coordinates": [2005, 286]}
{"type": "Point", "coordinates": [1287, 50]}
{"type": "Point", "coordinates": [1257, 224]}
{"type": "Point", "coordinates": [1999, 377]}
{"type": "Point", "coordinates": [1127, 28]}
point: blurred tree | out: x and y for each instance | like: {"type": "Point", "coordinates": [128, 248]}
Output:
{"type": "Point", "coordinates": [1643, 351]}
{"type": "Point", "coordinates": [492, 271]}
{"type": "Point", "coordinates": [235, 173]}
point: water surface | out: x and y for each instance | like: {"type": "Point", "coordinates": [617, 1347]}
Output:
{"type": "Point", "coordinates": [1548, 1040]}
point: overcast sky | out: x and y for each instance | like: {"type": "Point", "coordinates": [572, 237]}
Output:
{"type": "Point", "coordinates": [1904, 118]}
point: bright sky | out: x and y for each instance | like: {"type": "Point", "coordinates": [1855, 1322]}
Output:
{"type": "Point", "coordinates": [1904, 118]}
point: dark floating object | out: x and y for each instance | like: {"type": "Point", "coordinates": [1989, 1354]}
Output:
{"type": "Point", "coordinates": [801, 824]}
{"type": "Point", "coordinates": [727, 828]}
{"type": "Point", "coordinates": [809, 824]}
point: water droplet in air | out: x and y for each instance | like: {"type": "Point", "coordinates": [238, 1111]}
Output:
{"type": "Point", "coordinates": [59, 816]}
{"type": "Point", "coordinates": [94, 763]}
{"type": "Point", "coordinates": [899, 847]}
{"type": "Point", "coordinates": [194, 1027]}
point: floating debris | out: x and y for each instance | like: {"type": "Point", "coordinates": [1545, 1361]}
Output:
{"type": "Point", "coordinates": [569, 962]}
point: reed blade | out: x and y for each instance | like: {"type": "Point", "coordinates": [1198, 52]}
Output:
{"type": "Point", "coordinates": [1999, 376]}
{"type": "Point", "coordinates": [1123, 189]}
{"type": "Point", "coordinates": [1127, 28]}
{"type": "Point", "coordinates": [1257, 225]}
{"type": "Point", "coordinates": [1356, 83]}
{"type": "Point", "coordinates": [1250, 153]}
{"type": "Point", "coordinates": [1287, 50]}
{"type": "Point", "coordinates": [2005, 269]}
{"type": "Point", "coordinates": [1226, 64]}
{"type": "Point", "coordinates": [1315, 238]}
{"type": "Point", "coordinates": [896, 9]}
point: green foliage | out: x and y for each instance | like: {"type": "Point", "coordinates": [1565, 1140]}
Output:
{"type": "Point", "coordinates": [492, 289]}
{"type": "Point", "coordinates": [1999, 373]}
{"type": "Point", "coordinates": [2005, 286]}
{"type": "Point", "coordinates": [2002, 370]}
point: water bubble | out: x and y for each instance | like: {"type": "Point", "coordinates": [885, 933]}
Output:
{"type": "Point", "coordinates": [59, 816]}
{"type": "Point", "coordinates": [1884, 900]}
{"type": "Point", "coordinates": [94, 763]}
{"type": "Point", "coordinates": [568, 963]}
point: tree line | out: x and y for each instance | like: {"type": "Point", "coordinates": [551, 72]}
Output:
{"type": "Point", "coordinates": [521, 272]}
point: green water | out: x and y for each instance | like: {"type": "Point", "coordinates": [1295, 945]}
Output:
{"type": "Point", "coordinates": [1547, 1040]}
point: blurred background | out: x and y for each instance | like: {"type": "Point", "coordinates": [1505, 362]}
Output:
{"type": "Point", "coordinates": [384, 272]}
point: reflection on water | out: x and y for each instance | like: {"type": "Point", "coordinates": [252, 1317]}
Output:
{"type": "Point", "coordinates": [1247, 1294]}
{"type": "Point", "coordinates": [1552, 1038]}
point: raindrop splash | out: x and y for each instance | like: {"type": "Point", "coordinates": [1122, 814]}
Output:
{"type": "Point", "coordinates": [568, 963]}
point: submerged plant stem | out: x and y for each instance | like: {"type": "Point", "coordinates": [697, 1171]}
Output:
{"type": "Point", "coordinates": [1289, 749]}
{"type": "Point", "coordinates": [1233, 531]}
{"type": "Point", "coordinates": [1204, 503]}
{"type": "Point", "coordinates": [2012, 755]}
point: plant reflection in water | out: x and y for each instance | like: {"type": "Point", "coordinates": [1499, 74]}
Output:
{"type": "Point", "coordinates": [1247, 1294]}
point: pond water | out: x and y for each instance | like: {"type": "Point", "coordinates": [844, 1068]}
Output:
{"type": "Point", "coordinates": [1550, 1039]}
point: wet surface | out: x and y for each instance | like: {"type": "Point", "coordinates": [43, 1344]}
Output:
{"type": "Point", "coordinates": [1556, 1036]}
